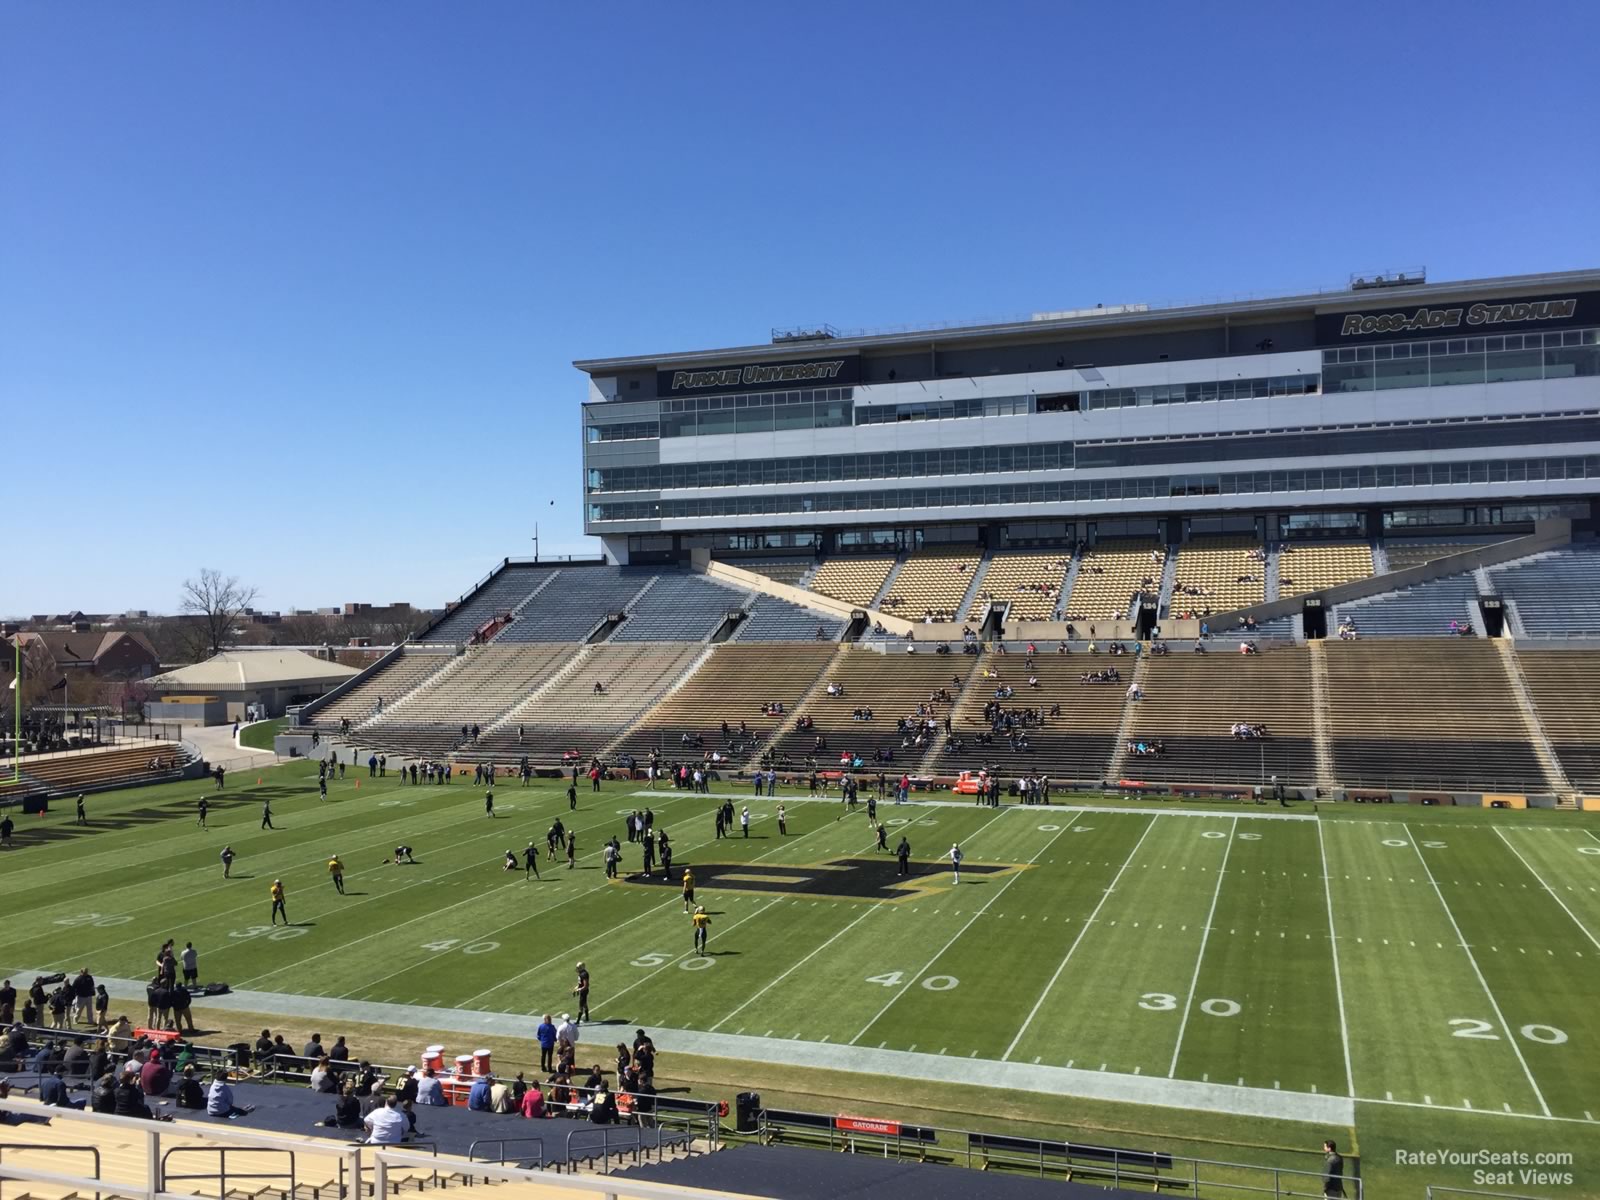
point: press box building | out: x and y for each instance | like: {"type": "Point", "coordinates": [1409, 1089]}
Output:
{"type": "Point", "coordinates": [1395, 406]}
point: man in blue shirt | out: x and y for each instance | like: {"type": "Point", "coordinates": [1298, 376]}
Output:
{"type": "Point", "coordinates": [53, 1091]}
{"type": "Point", "coordinates": [478, 1097]}
{"type": "Point", "coordinates": [546, 1035]}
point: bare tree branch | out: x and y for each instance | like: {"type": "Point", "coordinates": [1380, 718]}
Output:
{"type": "Point", "coordinates": [217, 602]}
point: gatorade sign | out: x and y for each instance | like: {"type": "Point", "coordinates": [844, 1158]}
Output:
{"type": "Point", "coordinates": [867, 1125]}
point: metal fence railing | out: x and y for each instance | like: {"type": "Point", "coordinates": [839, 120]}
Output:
{"type": "Point", "coordinates": [1205, 1179]}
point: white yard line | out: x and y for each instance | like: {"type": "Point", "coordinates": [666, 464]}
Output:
{"type": "Point", "coordinates": [673, 899]}
{"type": "Point", "coordinates": [1493, 1003]}
{"type": "Point", "coordinates": [1551, 890]}
{"type": "Point", "coordinates": [1338, 981]}
{"type": "Point", "coordinates": [649, 975]}
{"type": "Point", "coordinates": [1088, 922]}
{"type": "Point", "coordinates": [1187, 1094]}
{"type": "Point", "coordinates": [477, 898]}
{"type": "Point", "coordinates": [779, 979]}
{"type": "Point", "coordinates": [1000, 891]}
{"type": "Point", "coordinates": [1199, 960]}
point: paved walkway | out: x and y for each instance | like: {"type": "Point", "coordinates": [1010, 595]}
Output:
{"type": "Point", "coordinates": [938, 1068]}
{"type": "Point", "coordinates": [216, 745]}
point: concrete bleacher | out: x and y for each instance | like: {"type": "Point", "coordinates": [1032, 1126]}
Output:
{"type": "Point", "coordinates": [1556, 594]}
{"type": "Point", "coordinates": [774, 620]}
{"type": "Point", "coordinates": [570, 715]}
{"type": "Point", "coordinates": [1217, 574]}
{"type": "Point", "coordinates": [734, 685]}
{"type": "Point", "coordinates": [783, 570]}
{"type": "Point", "coordinates": [285, 1119]}
{"type": "Point", "coordinates": [475, 690]}
{"type": "Point", "coordinates": [91, 769]}
{"type": "Point", "coordinates": [1418, 713]}
{"type": "Point", "coordinates": [932, 583]}
{"type": "Point", "coordinates": [679, 607]}
{"type": "Point", "coordinates": [1413, 552]}
{"type": "Point", "coordinates": [892, 685]}
{"type": "Point", "coordinates": [1565, 685]}
{"type": "Point", "coordinates": [1109, 575]}
{"type": "Point", "coordinates": [851, 579]}
{"type": "Point", "coordinates": [1028, 584]}
{"type": "Point", "coordinates": [1191, 702]}
{"type": "Point", "coordinates": [1077, 744]}
{"type": "Point", "coordinates": [1424, 610]}
{"type": "Point", "coordinates": [1305, 567]}
{"type": "Point", "coordinates": [574, 604]}
{"type": "Point", "coordinates": [387, 684]}
{"type": "Point", "coordinates": [504, 592]}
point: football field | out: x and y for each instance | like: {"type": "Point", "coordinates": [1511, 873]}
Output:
{"type": "Point", "coordinates": [1251, 961]}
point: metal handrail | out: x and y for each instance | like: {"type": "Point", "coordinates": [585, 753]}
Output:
{"type": "Point", "coordinates": [1185, 1171]}
{"type": "Point", "coordinates": [502, 1143]}
{"type": "Point", "coordinates": [221, 1174]}
{"type": "Point", "coordinates": [92, 1151]}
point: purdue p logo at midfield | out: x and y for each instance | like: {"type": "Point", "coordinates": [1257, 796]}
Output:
{"type": "Point", "coordinates": [837, 879]}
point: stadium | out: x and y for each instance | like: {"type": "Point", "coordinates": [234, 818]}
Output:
{"type": "Point", "coordinates": [1249, 653]}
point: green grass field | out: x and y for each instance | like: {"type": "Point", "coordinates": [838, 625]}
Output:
{"type": "Point", "coordinates": [1424, 977]}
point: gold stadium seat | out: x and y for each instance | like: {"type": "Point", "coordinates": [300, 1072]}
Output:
{"type": "Point", "coordinates": [1109, 575]}
{"type": "Point", "coordinates": [1028, 584]}
{"type": "Point", "coordinates": [932, 583]}
{"type": "Point", "coordinates": [853, 580]}
{"type": "Point", "coordinates": [1312, 566]}
{"type": "Point", "coordinates": [1218, 574]}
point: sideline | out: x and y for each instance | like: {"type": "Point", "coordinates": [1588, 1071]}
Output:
{"type": "Point", "coordinates": [1062, 806]}
{"type": "Point", "coordinates": [936, 1068]}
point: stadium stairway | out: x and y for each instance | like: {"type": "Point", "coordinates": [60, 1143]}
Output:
{"type": "Point", "coordinates": [1565, 689]}
{"type": "Point", "coordinates": [876, 603]}
{"type": "Point", "coordinates": [391, 684]}
{"type": "Point", "coordinates": [1130, 709]}
{"type": "Point", "coordinates": [1322, 739]}
{"type": "Point", "coordinates": [733, 684]}
{"type": "Point", "coordinates": [432, 680]}
{"type": "Point", "coordinates": [1421, 713]}
{"type": "Point", "coordinates": [869, 682]}
{"type": "Point", "coordinates": [1555, 776]}
{"type": "Point", "coordinates": [1192, 701]}
{"type": "Point", "coordinates": [1077, 744]}
{"type": "Point", "coordinates": [969, 598]}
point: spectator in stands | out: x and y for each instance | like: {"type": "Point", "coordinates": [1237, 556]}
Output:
{"type": "Point", "coordinates": [323, 1078]}
{"type": "Point", "coordinates": [190, 1095]}
{"type": "Point", "coordinates": [346, 1110]}
{"type": "Point", "coordinates": [128, 1100]}
{"type": "Point", "coordinates": [75, 1060]}
{"type": "Point", "coordinates": [533, 1101]}
{"type": "Point", "coordinates": [428, 1089]}
{"type": "Point", "coordinates": [386, 1126]}
{"type": "Point", "coordinates": [340, 1052]}
{"type": "Point", "coordinates": [156, 1077]}
{"type": "Point", "coordinates": [53, 1091]}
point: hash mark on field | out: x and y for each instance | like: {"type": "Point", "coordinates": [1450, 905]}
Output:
{"type": "Point", "coordinates": [1467, 1103]}
{"type": "Point", "coordinates": [1138, 1070]}
{"type": "Point", "coordinates": [826, 1036]}
{"type": "Point", "coordinates": [1426, 1099]}
{"type": "Point", "coordinates": [1507, 1107]}
{"type": "Point", "coordinates": [1036, 1058]}
{"type": "Point", "coordinates": [1390, 1096]}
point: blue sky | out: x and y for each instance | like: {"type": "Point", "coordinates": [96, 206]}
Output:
{"type": "Point", "coordinates": [292, 290]}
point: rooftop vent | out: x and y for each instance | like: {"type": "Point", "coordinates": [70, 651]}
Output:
{"type": "Point", "coordinates": [805, 333]}
{"type": "Point", "coordinates": [1389, 279]}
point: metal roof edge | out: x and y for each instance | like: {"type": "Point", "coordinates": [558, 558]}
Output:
{"type": "Point", "coordinates": [1312, 302]}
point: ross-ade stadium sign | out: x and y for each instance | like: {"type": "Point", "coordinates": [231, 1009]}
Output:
{"type": "Point", "coordinates": [1451, 318]}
